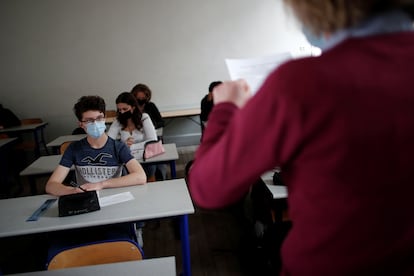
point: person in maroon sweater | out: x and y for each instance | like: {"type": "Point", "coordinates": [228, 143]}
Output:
{"type": "Point", "coordinates": [341, 128]}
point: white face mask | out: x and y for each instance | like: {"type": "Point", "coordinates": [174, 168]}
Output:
{"type": "Point", "coordinates": [96, 129]}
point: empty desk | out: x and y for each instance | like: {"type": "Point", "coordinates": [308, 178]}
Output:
{"type": "Point", "coordinates": [34, 128]}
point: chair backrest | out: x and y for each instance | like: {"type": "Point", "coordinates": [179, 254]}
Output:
{"type": "Point", "coordinates": [29, 121]}
{"type": "Point", "coordinates": [64, 146]}
{"type": "Point", "coordinates": [97, 253]}
{"type": "Point", "coordinates": [110, 113]}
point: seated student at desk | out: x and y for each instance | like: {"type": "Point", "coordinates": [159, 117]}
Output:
{"type": "Point", "coordinates": [133, 128]}
{"type": "Point", "coordinates": [91, 154]}
{"type": "Point", "coordinates": [98, 161]}
{"type": "Point", "coordinates": [207, 104]}
{"type": "Point", "coordinates": [143, 95]}
{"type": "Point", "coordinates": [8, 118]}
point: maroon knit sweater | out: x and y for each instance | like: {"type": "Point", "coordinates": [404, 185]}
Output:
{"type": "Point", "coordinates": [341, 127]}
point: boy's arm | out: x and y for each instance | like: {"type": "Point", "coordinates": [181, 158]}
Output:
{"type": "Point", "coordinates": [54, 185]}
{"type": "Point", "coordinates": [136, 176]}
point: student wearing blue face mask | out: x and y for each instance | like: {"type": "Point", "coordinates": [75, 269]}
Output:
{"type": "Point", "coordinates": [98, 159]}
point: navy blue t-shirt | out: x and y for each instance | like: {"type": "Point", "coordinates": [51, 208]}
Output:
{"type": "Point", "coordinates": [95, 165]}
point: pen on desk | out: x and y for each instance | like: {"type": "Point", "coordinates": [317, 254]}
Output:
{"type": "Point", "coordinates": [77, 186]}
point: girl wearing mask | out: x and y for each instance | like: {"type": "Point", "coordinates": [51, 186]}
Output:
{"type": "Point", "coordinates": [143, 95]}
{"type": "Point", "coordinates": [134, 128]}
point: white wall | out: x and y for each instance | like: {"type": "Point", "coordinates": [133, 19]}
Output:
{"type": "Point", "coordinates": [54, 51]}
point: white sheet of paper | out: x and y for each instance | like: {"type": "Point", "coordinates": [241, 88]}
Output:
{"type": "Point", "coordinates": [255, 70]}
{"type": "Point", "coordinates": [137, 153]}
{"type": "Point", "coordinates": [114, 199]}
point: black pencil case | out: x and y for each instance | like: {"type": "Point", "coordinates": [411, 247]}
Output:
{"type": "Point", "coordinates": [80, 203]}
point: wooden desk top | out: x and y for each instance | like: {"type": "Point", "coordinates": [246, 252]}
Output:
{"type": "Point", "coordinates": [168, 114]}
{"type": "Point", "coordinates": [109, 120]}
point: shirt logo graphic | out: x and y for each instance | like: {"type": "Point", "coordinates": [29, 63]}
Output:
{"type": "Point", "coordinates": [98, 159]}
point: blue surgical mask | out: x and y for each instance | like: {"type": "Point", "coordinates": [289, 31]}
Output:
{"type": "Point", "coordinates": [314, 40]}
{"type": "Point", "coordinates": [96, 129]}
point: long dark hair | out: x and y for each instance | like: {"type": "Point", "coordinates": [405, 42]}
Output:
{"type": "Point", "coordinates": [129, 99]}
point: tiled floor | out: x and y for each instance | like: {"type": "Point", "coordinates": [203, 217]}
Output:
{"type": "Point", "coordinates": [186, 154]}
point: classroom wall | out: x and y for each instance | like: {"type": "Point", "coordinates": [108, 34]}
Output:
{"type": "Point", "coordinates": [54, 51]}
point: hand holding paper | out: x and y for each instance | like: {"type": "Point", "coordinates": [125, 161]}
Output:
{"type": "Point", "coordinates": [255, 70]}
{"type": "Point", "coordinates": [237, 92]}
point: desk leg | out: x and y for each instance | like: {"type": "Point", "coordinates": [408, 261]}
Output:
{"type": "Point", "coordinates": [32, 182]}
{"type": "Point", "coordinates": [185, 245]}
{"type": "Point", "coordinates": [4, 172]}
{"type": "Point", "coordinates": [173, 170]}
{"type": "Point", "coordinates": [37, 144]}
{"type": "Point", "coordinates": [43, 140]}
{"type": "Point", "coordinates": [55, 150]}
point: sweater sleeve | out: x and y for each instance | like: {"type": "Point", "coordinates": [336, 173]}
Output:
{"type": "Point", "coordinates": [149, 133]}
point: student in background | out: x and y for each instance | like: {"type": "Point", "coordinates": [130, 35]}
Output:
{"type": "Point", "coordinates": [133, 128]}
{"type": "Point", "coordinates": [143, 95]}
{"type": "Point", "coordinates": [85, 154]}
{"type": "Point", "coordinates": [340, 127]}
{"type": "Point", "coordinates": [207, 104]}
{"type": "Point", "coordinates": [8, 118]}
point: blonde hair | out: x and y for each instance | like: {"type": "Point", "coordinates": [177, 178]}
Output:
{"type": "Point", "coordinates": [327, 16]}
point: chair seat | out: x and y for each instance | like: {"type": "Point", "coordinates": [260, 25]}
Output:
{"type": "Point", "coordinates": [96, 253]}
{"type": "Point", "coordinates": [64, 146]}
